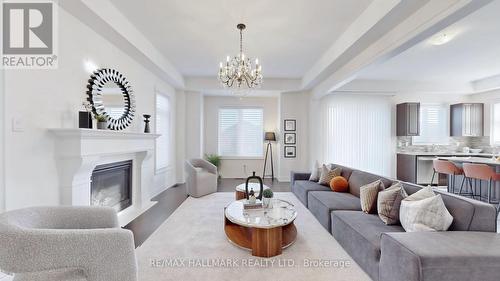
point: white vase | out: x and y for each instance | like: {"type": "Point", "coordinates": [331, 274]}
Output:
{"type": "Point", "coordinates": [102, 125]}
{"type": "Point", "coordinates": [266, 201]}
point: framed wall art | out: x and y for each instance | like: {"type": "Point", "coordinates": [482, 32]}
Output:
{"type": "Point", "coordinates": [290, 138]}
{"type": "Point", "coordinates": [290, 152]}
{"type": "Point", "coordinates": [290, 125]}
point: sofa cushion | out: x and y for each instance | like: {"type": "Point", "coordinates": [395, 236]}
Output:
{"type": "Point", "coordinates": [302, 187]}
{"type": "Point", "coordinates": [359, 178]}
{"type": "Point", "coordinates": [359, 234]}
{"type": "Point", "coordinates": [445, 256]}
{"type": "Point", "coordinates": [321, 203]}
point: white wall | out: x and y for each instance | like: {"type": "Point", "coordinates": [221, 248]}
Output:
{"type": "Point", "coordinates": [294, 105]}
{"type": "Point", "coordinates": [180, 135]}
{"type": "Point", "coordinates": [194, 124]}
{"type": "Point", "coordinates": [51, 98]}
{"type": "Point", "coordinates": [239, 168]}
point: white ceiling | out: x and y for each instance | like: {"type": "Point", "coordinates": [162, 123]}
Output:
{"type": "Point", "coordinates": [473, 54]}
{"type": "Point", "coordinates": [288, 36]}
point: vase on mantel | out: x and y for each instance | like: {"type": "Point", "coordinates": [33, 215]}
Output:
{"type": "Point", "coordinates": [147, 130]}
{"type": "Point", "coordinates": [102, 125]}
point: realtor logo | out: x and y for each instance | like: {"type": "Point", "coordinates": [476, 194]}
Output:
{"type": "Point", "coordinates": [28, 35]}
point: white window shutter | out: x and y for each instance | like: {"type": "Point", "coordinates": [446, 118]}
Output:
{"type": "Point", "coordinates": [241, 132]}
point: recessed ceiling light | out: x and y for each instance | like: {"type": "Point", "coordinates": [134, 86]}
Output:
{"type": "Point", "coordinates": [441, 38]}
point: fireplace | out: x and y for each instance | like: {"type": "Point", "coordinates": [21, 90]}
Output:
{"type": "Point", "coordinates": [112, 185]}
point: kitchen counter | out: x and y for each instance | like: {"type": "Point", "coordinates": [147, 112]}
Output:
{"type": "Point", "coordinates": [416, 166]}
{"type": "Point", "coordinates": [444, 153]}
{"type": "Point", "coordinates": [477, 160]}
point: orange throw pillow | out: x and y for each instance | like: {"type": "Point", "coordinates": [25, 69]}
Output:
{"type": "Point", "coordinates": [339, 184]}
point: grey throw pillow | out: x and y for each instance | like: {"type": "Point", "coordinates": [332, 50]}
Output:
{"type": "Point", "coordinates": [388, 203]}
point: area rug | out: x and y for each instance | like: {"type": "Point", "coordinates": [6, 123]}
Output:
{"type": "Point", "coordinates": [191, 245]}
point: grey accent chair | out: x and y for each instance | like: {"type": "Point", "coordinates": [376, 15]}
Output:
{"type": "Point", "coordinates": [66, 243]}
{"type": "Point", "coordinates": [201, 177]}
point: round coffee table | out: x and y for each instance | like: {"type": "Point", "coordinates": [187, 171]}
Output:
{"type": "Point", "coordinates": [240, 190]}
{"type": "Point", "coordinates": [265, 231]}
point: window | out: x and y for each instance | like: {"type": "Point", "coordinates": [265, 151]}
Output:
{"type": "Point", "coordinates": [163, 127]}
{"type": "Point", "coordinates": [241, 132]}
{"type": "Point", "coordinates": [495, 124]}
{"type": "Point", "coordinates": [433, 124]}
{"type": "Point", "coordinates": [114, 112]}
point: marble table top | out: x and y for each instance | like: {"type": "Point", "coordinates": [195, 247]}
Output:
{"type": "Point", "coordinates": [477, 160]}
{"type": "Point", "coordinates": [279, 213]}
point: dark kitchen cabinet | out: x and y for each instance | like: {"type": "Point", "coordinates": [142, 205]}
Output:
{"type": "Point", "coordinates": [408, 119]}
{"type": "Point", "coordinates": [466, 120]}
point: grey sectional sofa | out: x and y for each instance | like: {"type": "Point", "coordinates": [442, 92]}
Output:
{"type": "Point", "coordinates": [470, 250]}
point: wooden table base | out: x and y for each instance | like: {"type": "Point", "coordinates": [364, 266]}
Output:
{"type": "Point", "coordinates": [240, 195]}
{"type": "Point", "coordinates": [263, 242]}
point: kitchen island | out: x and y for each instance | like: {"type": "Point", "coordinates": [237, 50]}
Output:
{"type": "Point", "coordinates": [416, 166]}
{"type": "Point", "coordinates": [480, 187]}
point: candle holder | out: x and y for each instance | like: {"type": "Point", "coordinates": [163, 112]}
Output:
{"type": "Point", "coordinates": [146, 123]}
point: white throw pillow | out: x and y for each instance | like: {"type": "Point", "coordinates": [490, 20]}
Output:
{"type": "Point", "coordinates": [424, 211]}
{"type": "Point", "coordinates": [315, 173]}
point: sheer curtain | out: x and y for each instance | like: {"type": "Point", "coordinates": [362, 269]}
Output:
{"type": "Point", "coordinates": [357, 132]}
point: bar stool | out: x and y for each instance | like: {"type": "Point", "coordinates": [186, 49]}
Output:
{"type": "Point", "coordinates": [448, 168]}
{"type": "Point", "coordinates": [482, 172]}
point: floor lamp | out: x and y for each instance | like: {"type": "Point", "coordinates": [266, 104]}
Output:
{"type": "Point", "coordinates": [269, 136]}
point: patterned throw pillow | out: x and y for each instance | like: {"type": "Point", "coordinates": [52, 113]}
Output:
{"type": "Point", "coordinates": [388, 203]}
{"type": "Point", "coordinates": [368, 196]}
{"type": "Point", "coordinates": [424, 211]}
{"type": "Point", "coordinates": [315, 173]}
{"type": "Point", "coordinates": [327, 174]}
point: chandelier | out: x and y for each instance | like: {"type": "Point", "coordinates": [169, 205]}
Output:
{"type": "Point", "coordinates": [238, 72]}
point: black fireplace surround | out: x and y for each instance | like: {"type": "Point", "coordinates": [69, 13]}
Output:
{"type": "Point", "coordinates": [112, 185]}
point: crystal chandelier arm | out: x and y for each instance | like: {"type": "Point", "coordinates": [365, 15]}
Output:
{"type": "Point", "coordinates": [238, 71]}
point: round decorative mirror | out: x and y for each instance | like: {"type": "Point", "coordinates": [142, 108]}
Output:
{"type": "Point", "coordinates": [111, 95]}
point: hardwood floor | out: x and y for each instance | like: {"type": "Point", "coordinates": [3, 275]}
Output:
{"type": "Point", "coordinates": [170, 199]}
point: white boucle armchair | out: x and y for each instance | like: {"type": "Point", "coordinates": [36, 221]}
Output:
{"type": "Point", "coordinates": [201, 177]}
{"type": "Point", "coordinates": [66, 243]}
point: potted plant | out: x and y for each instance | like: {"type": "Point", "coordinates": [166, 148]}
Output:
{"type": "Point", "coordinates": [267, 194]}
{"type": "Point", "coordinates": [102, 121]}
{"type": "Point", "coordinates": [215, 160]}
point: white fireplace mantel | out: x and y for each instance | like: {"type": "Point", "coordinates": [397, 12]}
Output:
{"type": "Point", "coordinates": [79, 151]}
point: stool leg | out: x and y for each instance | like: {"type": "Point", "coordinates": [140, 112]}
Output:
{"type": "Point", "coordinates": [462, 185]}
{"type": "Point", "coordinates": [433, 174]}
{"type": "Point", "coordinates": [489, 191]}
{"type": "Point", "coordinates": [470, 186]}
{"type": "Point", "coordinates": [480, 191]}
